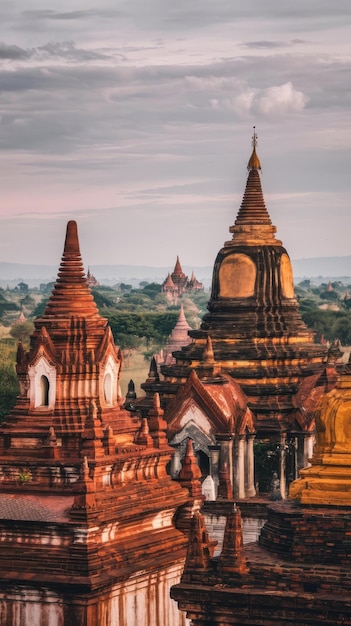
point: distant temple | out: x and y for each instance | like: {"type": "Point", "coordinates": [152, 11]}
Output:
{"type": "Point", "coordinates": [91, 280]}
{"type": "Point", "coordinates": [178, 283]}
{"type": "Point", "coordinates": [21, 318]}
{"type": "Point", "coordinates": [86, 505]}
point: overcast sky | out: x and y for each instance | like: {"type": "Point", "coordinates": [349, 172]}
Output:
{"type": "Point", "coordinates": [135, 117]}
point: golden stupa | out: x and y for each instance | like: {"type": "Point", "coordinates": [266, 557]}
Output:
{"type": "Point", "coordinates": [328, 480]}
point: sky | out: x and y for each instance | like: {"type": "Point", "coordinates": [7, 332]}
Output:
{"type": "Point", "coordinates": [135, 117]}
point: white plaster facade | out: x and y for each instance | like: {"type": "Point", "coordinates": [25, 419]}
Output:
{"type": "Point", "coordinates": [143, 600]}
{"type": "Point", "coordinates": [38, 372]}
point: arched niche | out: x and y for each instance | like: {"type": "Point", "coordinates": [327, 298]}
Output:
{"type": "Point", "coordinates": [286, 277]}
{"type": "Point", "coordinates": [109, 383]}
{"type": "Point", "coordinates": [42, 384]}
{"type": "Point", "coordinates": [44, 390]}
{"type": "Point", "coordinates": [237, 276]}
{"type": "Point", "coordinates": [108, 388]}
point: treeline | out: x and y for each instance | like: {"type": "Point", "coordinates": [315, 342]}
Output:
{"type": "Point", "coordinates": [130, 329]}
{"type": "Point", "coordinates": [327, 324]}
{"type": "Point", "coordinates": [9, 387]}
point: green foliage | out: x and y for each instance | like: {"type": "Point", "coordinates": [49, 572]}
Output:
{"type": "Point", "coordinates": [27, 301]}
{"type": "Point", "coordinates": [305, 284]}
{"type": "Point", "coordinates": [40, 308]}
{"type": "Point", "coordinates": [23, 287]}
{"type": "Point", "coordinates": [329, 295]}
{"type": "Point", "coordinates": [152, 289]}
{"type": "Point", "coordinates": [6, 306]}
{"type": "Point", "coordinates": [126, 327]}
{"type": "Point", "coordinates": [101, 299]}
{"type": "Point", "coordinates": [341, 330]}
{"type": "Point", "coordinates": [22, 330]}
{"type": "Point", "coordinates": [9, 387]}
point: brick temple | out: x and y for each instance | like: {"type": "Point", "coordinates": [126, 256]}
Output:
{"type": "Point", "coordinates": [253, 333]}
{"type": "Point", "coordinates": [86, 505]}
{"type": "Point", "coordinates": [299, 570]}
{"type": "Point", "coordinates": [177, 283]}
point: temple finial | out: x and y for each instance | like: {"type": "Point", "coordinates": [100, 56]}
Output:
{"type": "Point", "coordinates": [254, 161]}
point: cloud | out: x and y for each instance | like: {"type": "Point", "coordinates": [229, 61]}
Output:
{"type": "Point", "coordinates": [264, 44]}
{"type": "Point", "coordinates": [280, 100]}
{"type": "Point", "coordinates": [12, 52]}
{"type": "Point", "coordinates": [276, 101]}
{"type": "Point", "coordinates": [108, 107]}
{"type": "Point", "coordinates": [49, 14]}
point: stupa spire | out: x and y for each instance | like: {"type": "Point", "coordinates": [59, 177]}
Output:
{"type": "Point", "coordinates": [178, 267]}
{"type": "Point", "coordinates": [71, 295]}
{"type": "Point", "coordinates": [253, 224]}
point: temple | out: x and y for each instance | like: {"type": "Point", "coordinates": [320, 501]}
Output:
{"type": "Point", "coordinates": [178, 283]}
{"type": "Point", "coordinates": [253, 333]}
{"type": "Point", "coordinates": [91, 280]}
{"type": "Point", "coordinates": [298, 571]}
{"type": "Point", "coordinates": [86, 504]}
{"type": "Point", "coordinates": [178, 338]}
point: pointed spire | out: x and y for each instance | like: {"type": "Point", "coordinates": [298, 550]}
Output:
{"type": "Point", "coordinates": [254, 161]}
{"type": "Point", "coordinates": [200, 548]}
{"type": "Point", "coordinates": [182, 317]}
{"type": "Point", "coordinates": [178, 268]}
{"type": "Point", "coordinates": [153, 371]}
{"type": "Point", "coordinates": [232, 559]}
{"type": "Point", "coordinates": [190, 472]}
{"type": "Point", "coordinates": [71, 294]}
{"type": "Point", "coordinates": [253, 224]}
{"type": "Point", "coordinates": [157, 424]}
{"type": "Point", "coordinates": [93, 434]}
{"type": "Point", "coordinates": [208, 356]}
{"type": "Point", "coordinates": [190, 478]}
{"type": "Point", "coordinates": [168, 283]}
{"type": "Point", "coordinates": [131, 395]}
{"type": "Point", "coordinates": [143, 437]}
{"type": "Point", "coordinates": [178, 338]}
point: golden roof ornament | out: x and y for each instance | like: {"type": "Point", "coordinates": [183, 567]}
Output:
{"type": "Point", "coordinates": [254, 161]}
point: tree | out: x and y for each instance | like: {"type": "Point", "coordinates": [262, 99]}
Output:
{"type": "Point", "coordinates": [22, 330]}
{"type": "Point", "coordinates": [152, 289]}
{"type": "Point", "coordinates": [341, 330]}
{"type": "Point", "coordinates": [124, 287]}
{"type": "Point", "coordinates": [9, 389]}
{"type": "Point", "coordinates": [329, 295]}
{"type": "Point", "coordinates": [23, 287]}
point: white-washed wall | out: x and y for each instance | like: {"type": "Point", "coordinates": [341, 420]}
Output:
{"type": "Point", "coordinates": [142, 600]}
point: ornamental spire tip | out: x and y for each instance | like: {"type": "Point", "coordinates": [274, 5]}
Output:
{"type": "Point", "coordinates": [254, 161]}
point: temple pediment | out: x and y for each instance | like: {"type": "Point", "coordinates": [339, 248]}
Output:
{"type": "Point", "coordinates": [217, 406]}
